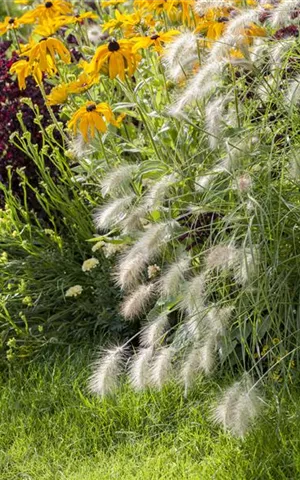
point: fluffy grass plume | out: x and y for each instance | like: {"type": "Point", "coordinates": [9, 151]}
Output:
{"type": "Point", "coordinates": [238, 407]}
{"type": "Point", "coordinates": [118, 180]}
{"type": "Point", "coordinates": [112, 213]}
{"type": "Point", "coordinates": [153, 331]}
{"type": "Point", "coordinates": [162, 368]}
{"type": "Point", "coordinates": [136, 303]}
{"type": "Point", "coordinates": [171, 281]}
{"type": "Point", "coordinates": [144, 251]}
{"type": "Point", "coordinates": [106, 371]}
{"type": "Point", "coordinates": [139, 373]}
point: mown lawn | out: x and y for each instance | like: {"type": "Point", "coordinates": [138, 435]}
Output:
{"type": "Point", "coordinates": [51, 428]}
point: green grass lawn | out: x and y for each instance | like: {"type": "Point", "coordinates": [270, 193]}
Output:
{"type": "Point", "coordinates": [51, 428]}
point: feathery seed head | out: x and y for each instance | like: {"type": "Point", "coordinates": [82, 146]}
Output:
{"type": "Point", "coordinates": [106, 371]}
{"type": "Point", "coordinates": [171, 281]}
{"type": "Point", "coordinates": [194, 295]}
{"type": "Point", "coordinates": [117, 182]}
{"type": "Point", "coordinates": [139, 374]}
{"type": "Point", "coordinates": [135, 304]}
{"type": "Point", "coordinates": [238, 407]}
{"type": "Point", "coordinates": [153, 331]}
{"type": "Point", "coordinates": [180, 55]}
{"type": "Point", "coordinates": [162, 368]}
{"type": "Point", "coordinates": [112, 213]}
{"type": "Point", "coordinates": [223, 257]}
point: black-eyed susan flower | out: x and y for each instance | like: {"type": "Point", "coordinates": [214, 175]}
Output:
{"type": "Point", "coordinates": [9, 23]}
{"type": "Point", "coordinates": [58, 94]}
{"type": "Point", "coordinates": [123, 21]}
{"type": "Point", "coordinates": [48, 10]}
{"type": "Point", "coordinates": [44, 54]}
{"type": "Point", "coordinates": [170, 7]}
{"type": "Point", "coordinates": [81, 84]}
{"type": "Point", "coordinates": [118, 56]}
{"type": "Point", "coordinates": [156, 40]}
{"type": "Point", "coordinates": [92, 118]}
{"type": "Point", "coordinates": [23, 70]}
{"type": "Point", "coordinates": [74, 19]}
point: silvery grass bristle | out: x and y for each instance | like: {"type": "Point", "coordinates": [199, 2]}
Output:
{"type": "Point", "coordinates": [201, 6]}
{"type": "Point", "coordinates": [133, 222]}
{"type": "Point", "coordinates": [292, 95]}
{"type": "Point", "coordinates": [238, 407]}
{"type": "Point", "coordinates": [214, 113]}
{"type": "Point", "coordinates": [203, 182]}
{"type": "Point", "coordinates": [117, 181]}
{"type": "Point", "coordinates": [161, 370]}
{"type": "Point", "coordinates": [112, 213]}
{"type": "Point", "coordinates": [180, 55]}
{"type": "Point", "coordinates": [246, 267]}
{"type": "Point", "coordinates": [152, 332]}
{"type": "Point", "coordinates": [95, 34]}
{"type": "Point", "coordinates": [172, 279]}
{"type": "Point", "coordinates": [78, 147]}
{"type": "Point", "coordinates": [139, 372]}
{"type": "Point", "coordinates": [158, 192]}
{"type": "Point", "coordinates": [145, 250]}
{"type": "Point", "coordinates": [233, 36]}
{"type": "Point", "coordinates": [194, 295]}
{"type": "Point", "coordinates": [201, 85]}
{"type": "Point", "coordinates": [222, 257]}
{"type": "Point", "coordinates": [218, 319]}
{"type": "Point", "coordinates": [277, 54]}
{"type": "Point", "coordinates": [136, 303]}
{"type": "Point", "coordinates": [106, 371]}
{"type": "Point", "coordinates": [281, 15]}
{"type": "Point", "coordinates": [201, 359]}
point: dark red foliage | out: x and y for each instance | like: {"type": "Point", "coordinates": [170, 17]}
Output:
{"type": "Point", "coordinates": [290, 31]}
{"type": "Point", "coordinates": [10, 104]}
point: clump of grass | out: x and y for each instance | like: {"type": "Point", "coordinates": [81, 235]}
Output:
{"type": "Point", "coordinates": [54, 428]}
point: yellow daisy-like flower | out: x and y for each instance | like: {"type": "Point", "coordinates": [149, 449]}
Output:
{"type": "Point", "coordinates": [81, 84]}
{"type": "Point", "coordinates": [58, 94]}
{"type": "Point", "coordinates": [170, 7]}
{"type": "Point", "coordinates": [23, 70]}
{"type": "Point", "coordinates": [118, 56]}
{"type": "Point", "coordinates": [156, 40]}
{"type": "Point", "coordinates": [92, 118]}
{"type": "Point", "coordinates": [123, 21]}
{"type": "Point", "coordinates": [44, 54]}
{"type": "Point", "coordinates": [48, 10]}
{"type": "Point", "coordinates": [9, 23]}
{"type": "Point", "coordinates": [74, 19]}
{"type": "Point", "coordinates": [108, 3]}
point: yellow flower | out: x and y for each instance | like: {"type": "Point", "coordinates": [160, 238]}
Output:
{"type": "Point", "coordinates": [89, 264]}
{"type": "Point", "coordinates": [170, 7]}
{"type": "Point", "coordinates": [123, 21]}
{"type": "Point", "coordinates": [108, 3]}
{"type": "Point", "coordinates": [73, 19]}
{"type": "Point", "coordinates": [90, 118]}
{"type": "Point", "coordinates": [58, 94]}
{"type": "Point", "coordinates": [157, 40]}
{"type": "Point", "coordinates": [44, 54]}
{"type": "Point", "coordinates": [22, 2]}
{"type": "Point", "coordinates": [9, 23]}
{"type": "Point", "coordinates": [23, 70]}
{"type": "Point", "coordinates": [118, 56]}
{"type": "Point", "coordinates": [82, 84]}
{"type": "Point", "coordinates": [48, 10]}
{"type": "Point", "coordinates": [74, 291]}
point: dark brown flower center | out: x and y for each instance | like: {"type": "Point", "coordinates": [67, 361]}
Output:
{"type": "Point", "coordinates": [113, 46]}
{"type": "Point", "coordinates": [155, 36]}
{"type": "Point", "coordinates": [48, 4]}
{"type": "Point", "coordinates": [91, 108]}
{"type": "Point", "coordinates": [11, 21]}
